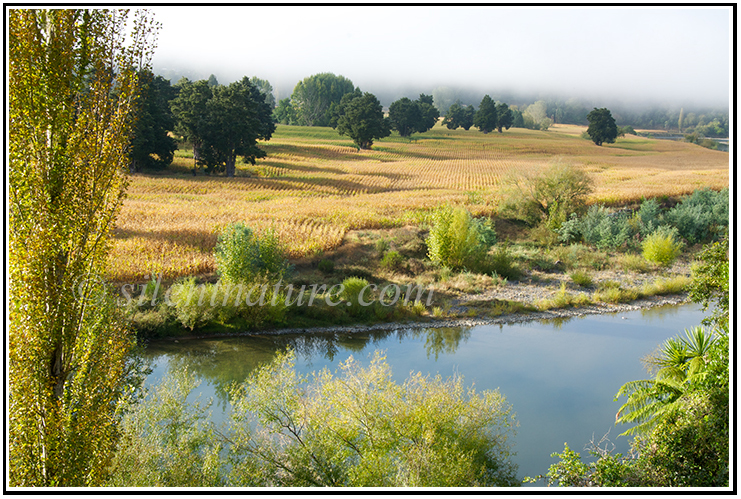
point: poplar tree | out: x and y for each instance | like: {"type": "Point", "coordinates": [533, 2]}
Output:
{"type": "Point", "coordinates": [72, 89]}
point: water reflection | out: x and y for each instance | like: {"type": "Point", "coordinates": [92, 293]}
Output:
{"type": "Point", "coordinates": [222, 361]}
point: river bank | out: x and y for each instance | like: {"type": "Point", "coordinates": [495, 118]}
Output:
{"type": "Point", "coordinates": [431, 322]}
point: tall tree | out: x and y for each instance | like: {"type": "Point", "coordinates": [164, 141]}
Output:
{"type": "Point", "coordinates": [602, 127]}
{"type": "Point", "coordinates": [505, 119]}
{"type": "Point", "coordinates": [72, 87]}
{"type": "Point", "coordinates": [404, 115]}
{"type": "Point", "coordinates": [429, 114]}
{"type": "Point", "coordinates": [151, 146]}
{"type": "Point", "coordinates": [190, 110]}
{"type": "Point", "coordinates": [212, 81]}
{"type": "Point", "coordinates": [486, 118]}
{"type": "Point", "coordinates": [459, 116]}
{"type": "Point", "coordinates": [409, 116]}
{"type": "Point", "coordinates": [360, 116]}
{"type": "Point", "coordinates": [316, 97]}
{"type": "Point", "coordinates": [237, 117]}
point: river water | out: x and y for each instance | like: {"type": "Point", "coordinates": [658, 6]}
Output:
{"type": "Point", "coordinates": [560, 377]}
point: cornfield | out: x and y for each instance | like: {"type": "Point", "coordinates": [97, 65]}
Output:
{"type": "Point", "coordinates": [314, 186]}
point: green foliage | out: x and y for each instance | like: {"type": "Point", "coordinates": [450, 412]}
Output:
{"type": "Point", "coordinates": [285, 113]}
{"type": "Point", "coordinates": [457, 240]}
{"type": "Point", "coordinates": [189, 108]}
{"type": "Point", "coordinates": [602, 127]}
{"type": "Point", "coordinates": [648, 216]}
{"type": "Point", "coordinates": [459, 116]}
{"type": "Point", "coordinates": [679, 365]}
{"type": "Point", "coordinates": [702, 216]}
{"type": "Point", "coordinates": [502, 263]}
{"type": "Point", "coordinates": [710, 283]}
{"type": "Point", "coordinates": [360, 428]}
{"type": "Point", "coordinates": [605, 229]}
{"type": "Point", "coordinates": [392, 260]}
{"type": "Point", "coordinates": [151, 146]}
{"type": "Point", "coordinates": [570, 471]}
{"type": "Point", "coordinates": [407, 116]}
{"type": "Point", "coordinates": [72, 85]}
{"type": "Point", "coordinates": [236, 117]}
{"type": "Point", "coordinates": [661, 247]}
{"type": "Point", "coordinates": [582, 278]}
{"type": "Point", "coordinates": [355, 290]}
{"type": "Point", "coordinates": [486, 118]}
{"type": "Point", "coordinates": [505, 118]}
{"type": "Point", "coordinates": [251, 305]}
{"type": "Point", "coordinates": [360, 116]}
{"type": "Point", "coordinates": [167, 441]}
{"type": "Point", "coordinates": [551, 195]}
{"type": "Point", "coordinates": [241, 255]}
{"type": "Point", "coordinates": [265, 89]}
{"type": "Point", "coordinates": [315, 98]}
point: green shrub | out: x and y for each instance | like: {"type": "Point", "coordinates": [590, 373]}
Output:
{"type": "Point", "coordinates": [581, 278]}
{"type": "Point", "coordinates": [457, 240]}
{"type": "Point", "coordinates": [604, 229]}
{"type": "Point", "coordinates": [661, 248]}
{"type": "Point", "coordinates": [548, 196]}
{"type": "Point", "coordinates": [392, 260]}
{"type": "Point", "coordinates": [351, 289]}
{"type": "Point", "coordinates": [241, 255]}
{"type": "Point", "coordinates": [648, 216]}
{"type": "Point", "coordinates": [191, 302]}
{"type": "Point", "coordinates": [634, 263]}
{"type": "Point", "coordinates": [502, 263]}
{"type": "Point", "coordinates": [702, 216]}
{"type": "Point", "coordinates": [196, 305]}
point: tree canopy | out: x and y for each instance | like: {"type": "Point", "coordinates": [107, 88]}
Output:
{"type": "Point", "coordinates": [189, 108]}
{"type": "Point", "coordinates": [459, 116]}
{"type": "Point", "coordinates": [360, 116]}
{"type": "Point", "coordinates": [486, 118]}
{"type": "Point", "coordinates": [237, 116]}
{"type": "Point", "coordinates": [408, 116]}
{"type": "Point", "coordinates": [151, 146]}
{"type": "Point", "coordinates": [602, 127]}
{"type": "Point", "coordinates": [223, 122]}
{"type": "Point", "coordinates": [315, 98]}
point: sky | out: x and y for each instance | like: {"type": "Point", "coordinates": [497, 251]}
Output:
{"type": "Point", "coordinates": [679, 55]}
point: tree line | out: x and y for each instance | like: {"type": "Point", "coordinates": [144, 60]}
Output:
{"type": "Point", "coordinates": [224, 122]}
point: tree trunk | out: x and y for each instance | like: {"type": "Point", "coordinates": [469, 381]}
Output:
{"type": "Point", "coordinates": [231, 167]}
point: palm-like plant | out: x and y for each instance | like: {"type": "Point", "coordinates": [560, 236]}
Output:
{"type": "Point", "coordinates": [680, 364]}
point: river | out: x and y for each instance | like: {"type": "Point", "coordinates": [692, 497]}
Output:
{"type": "Point", "coordinates": [559, 377]}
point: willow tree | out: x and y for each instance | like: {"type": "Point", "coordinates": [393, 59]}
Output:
{"type": "Point", "coordinates": [72, 87]}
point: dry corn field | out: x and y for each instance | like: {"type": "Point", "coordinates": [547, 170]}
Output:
{"type": "Point", "coordinates": [314, 186]}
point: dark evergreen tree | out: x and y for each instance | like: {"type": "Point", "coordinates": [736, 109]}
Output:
{"type": "Point", "coordinates": [602, 127]}
{"type": "Point", "coordinates": [408, 116]}
{"type": "Point", "coordinates": [151, 146]}
{"type": "Point", "coordinates": [486, 118]}
{"type": "Point", "coordinates": [404, 115]}
{"type": "Point", "coordinates": [360, 116]}
{"type": "Point", "coordinates": [190, 110]}
{"type": "Point", "coordinates": [504, 117]}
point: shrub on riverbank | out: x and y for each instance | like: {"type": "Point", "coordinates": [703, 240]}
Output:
{"type": "Point", "coordinates": [356, 427]}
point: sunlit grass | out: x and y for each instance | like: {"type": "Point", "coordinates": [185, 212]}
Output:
{"type": "Point", "coordinates": [314, 186]}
